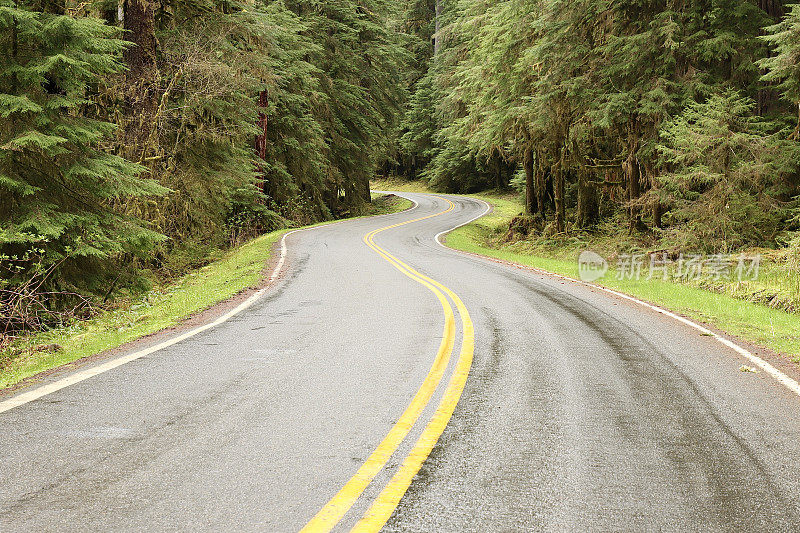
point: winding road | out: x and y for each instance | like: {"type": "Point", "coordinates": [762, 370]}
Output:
{"type": "Point", "coordinates": [383, 380]}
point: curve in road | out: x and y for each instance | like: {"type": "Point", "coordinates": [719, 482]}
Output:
{"type": "Point", "coordinates": [582, 411]}
{"type": "Point", "coordinates": [337, 507]}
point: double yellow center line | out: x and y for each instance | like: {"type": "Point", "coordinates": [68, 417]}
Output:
{"type": "Point", "coordinates": [386, 502]}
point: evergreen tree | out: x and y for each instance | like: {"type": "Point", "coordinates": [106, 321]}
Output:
{"type": "Point", "coordinates": [455, 165]}
{"type": "Point", "coordinates": [722, 183]}
{"type": "Point", "coordinates": [419, 127]}
{"type": "Point", "coordinates": [418, 23]}
{"type": "Point", "coordinates": [640, 52]}
{"type": "Point", "coordinates": [361, 74]}
{"type": "Point", "coordinates": [783, 68]}
{"type": "Point", "coordinates": [567, 55]}
{"type": "Point", "coordinates": [60, 190]}
{"type": "Point", "coordinates": [295, 160]}
{"type": "Point", "coordinates": [190, 118]}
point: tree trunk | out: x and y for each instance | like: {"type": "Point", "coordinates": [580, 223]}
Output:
{"type": "Point", "coordinates": [558, 191]}
{"type": "Point", "coordinates": [499, 182]}
{"type": "Point", "coordinates": [260, 142]}
{"type": "Point", "coordinates": [140, 57]}
{"type": "Point", "coordinates": [773, 8]}
{"type": "Point", "coordinates": [530, 188]}
{"type": "Point", "coordinates": [140, 26]}
{"type": "Point", "coordinates": [261, 137]}
{"type": "Point", "coordinates": [588, 205]}
{"type": "Point", "coordinates": [437, 40]}
{"type": "Point", "coordinates": [366, 194]}
{"type": "Point", "coordinates": [631, 168]}
{"type": "Point", "coordinates": [632, 175]}
{"type": "Point", "coordinates": [658, 208]}
{"type": "Point", "coordinates": [797, 128]}
{"type": "Point", "coordinates": [559, 199]}
{"type": "Point", "coordinates": [658, 212]}
{"type": "Point", "coordinates": [540, 187]}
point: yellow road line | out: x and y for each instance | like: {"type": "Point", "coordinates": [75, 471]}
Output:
{"type": "Point", "coordinates": [386, 502]}
{"type": "Point", "coordinates": [338, 506]}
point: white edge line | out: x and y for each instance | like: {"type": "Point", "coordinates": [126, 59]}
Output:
{"type": "Point", "coordinates": [39, 392]}
{"type": "Point", "coordinates": [782, 378]}
{"type": "Point", "coordinates": [438, 237]}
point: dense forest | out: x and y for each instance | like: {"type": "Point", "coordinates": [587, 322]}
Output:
{"type": "Point", "coordinates": [139, 135]}
{"type": "Point", "coordinates": [665, 116]}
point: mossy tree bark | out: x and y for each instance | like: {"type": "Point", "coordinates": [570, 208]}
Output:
{"type": "Point", "coordinates": [540, 182]}
{"type": "Point", "coordinates": [632, 173]}
{"type": "Point", "coordinates": [588, 212]}
{"type": "Point", "coordinates": [260, 142]}
{"type": "Point", "coordinates": [559, 178]}
{"type": "Point", "coordinates": [141, 76]}
{"type": "Point", "coordinates": [140, 26]}
{"type": "Point", "coordinates": [531, 206]}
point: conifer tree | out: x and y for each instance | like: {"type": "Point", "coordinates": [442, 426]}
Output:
{"type": "Point", "coordinates": [295, 161]}
{"type": "Point", "coordinates": [455, 165]}
{"type": "Point", "coordinates": [723, 167]}
{"type": "Point", "coordinates": [196, 136]}
{"type": "Point", "coordinates": [59, 189]}
{"type": "Point", "coordinates": [568, 56]}
{"type": "Point", "coordinates": [417, 126]}
{"type": "Point", "coordinates": [418, 22]}
{"type": "Point", "coordinates": [783, 68]}
{"type": "Point", "coordinates": [361, 74]}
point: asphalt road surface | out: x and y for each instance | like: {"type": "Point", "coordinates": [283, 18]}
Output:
{"type": "Point", "coordinates": [581, 412]}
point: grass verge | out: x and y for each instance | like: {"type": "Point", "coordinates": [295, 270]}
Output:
{"type": "Point", "coordinates": [162, 307]}
{"type": "Point", "coordinates": [772, 328]}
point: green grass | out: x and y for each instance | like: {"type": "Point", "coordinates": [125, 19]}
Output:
{"type": "Point", "coordinates": [773, 328]}
{"type": "Point", "coordinates": [160, 308]}
{"type": "Point", "coordinates": [399, 185]}
{"type": "Point", "coordinates": [383, 204]}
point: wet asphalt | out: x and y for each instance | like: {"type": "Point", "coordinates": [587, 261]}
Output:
{"type": "Point", "coordinates": [582, 412]}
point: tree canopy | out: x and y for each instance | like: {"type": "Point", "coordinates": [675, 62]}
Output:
{"type": "Point", "coordinates": [586, 105]}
